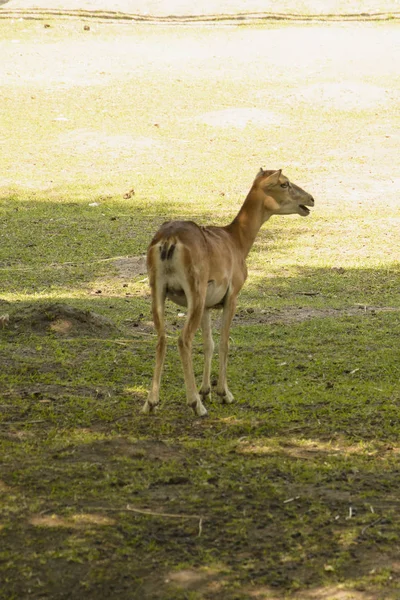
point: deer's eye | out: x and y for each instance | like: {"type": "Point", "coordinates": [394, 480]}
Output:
{"type": "Point", "coordinates": [285, 185]}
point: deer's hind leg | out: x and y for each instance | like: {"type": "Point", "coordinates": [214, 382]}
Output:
{"type": "Point", "coordinates": [158, 306]}
{"type": "Point", "coordinates": [195, 293]}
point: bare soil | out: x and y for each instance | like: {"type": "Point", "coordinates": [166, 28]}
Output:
{"type": "Point", "coordinates": [289, 314]}
{"type": "Point", "coordinates": [59, 319]}
{"type": "Point", "coordinates": [182, 8]}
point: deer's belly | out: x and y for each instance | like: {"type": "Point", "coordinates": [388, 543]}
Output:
{"type": "Point", "coordinates": [177, 296]}
{"type": "Point", "coordinates": [214, 296]}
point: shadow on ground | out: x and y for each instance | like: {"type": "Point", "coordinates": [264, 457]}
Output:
{"type": "Point", "coordinates": [290, 492]}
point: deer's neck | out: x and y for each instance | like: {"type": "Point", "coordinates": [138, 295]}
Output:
{"type": "Point", "coordinates": [247, 223]}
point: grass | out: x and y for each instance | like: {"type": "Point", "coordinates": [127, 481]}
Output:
{"type": "Point", "coordinates": [291, 492]}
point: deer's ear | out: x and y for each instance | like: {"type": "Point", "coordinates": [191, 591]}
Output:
{"type": "Point", "coordinates": [271, 180]}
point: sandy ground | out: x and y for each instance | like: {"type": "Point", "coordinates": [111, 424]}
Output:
{"type": "Point", "coordinates": [208, 7]}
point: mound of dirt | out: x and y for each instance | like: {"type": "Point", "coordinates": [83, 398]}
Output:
{"type": "Point", "coordinates": [60, 319]}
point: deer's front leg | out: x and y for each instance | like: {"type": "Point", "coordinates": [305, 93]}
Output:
{"type": "Point", "coordinates": [208, 345]}
{"type": "Point", "coordinates": [227, 316]}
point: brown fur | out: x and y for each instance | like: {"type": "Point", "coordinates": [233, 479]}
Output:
{"type": "Point", "coordinates": [204, 268]}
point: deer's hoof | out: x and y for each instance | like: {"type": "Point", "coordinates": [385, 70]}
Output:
{"type": "Point", "coordinates": [227, 397]}
{"type": "Point", "coordinates": [205, 394]}
{"type": "Point", "coordinates": [148, 408]}
{"type": "Point", "coordinates": [199, 409]}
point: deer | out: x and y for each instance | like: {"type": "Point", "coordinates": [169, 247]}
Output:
{"type": "Point", "coordinates": [203, 268]}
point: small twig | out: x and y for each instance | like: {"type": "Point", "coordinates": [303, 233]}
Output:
{"type": "Point", "coordinates": [291, 499]}
{"type": "Point", "coordinates": [121, 342]}
{"type": "Point", "coordinates": [149, 334]}
{"type": "Point", "coordinates": [371, 525]}
{"type": "Point", "coordinates": [151, 513]}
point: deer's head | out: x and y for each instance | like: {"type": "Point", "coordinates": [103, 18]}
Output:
{"type": "Point", "coordinates": [281, 196]}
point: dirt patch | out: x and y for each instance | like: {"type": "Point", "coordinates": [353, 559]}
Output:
{"type": "Point", "coordinates": [83, 141]}
{"type": "Point", "coordinates": [200, 580]}
{"type": "Point", "coordinates": [251, 316]}
{"type": "Point", "coordinates": [131, 266]}
{"type": "Point", "coordinates": [344, 96]}
{"type": "Point", "coordinates": [336, 592]}
{"type": "Point", "coordinates": [239, 118]}
{"type": "Point", "coordinates": [60, 319]}
{"type": "Point", "coordinates": [46, 392]}
{"type": "Point", "coordinates": [81, 521]}
{"type": "Point", "coordinates": [153, 450]}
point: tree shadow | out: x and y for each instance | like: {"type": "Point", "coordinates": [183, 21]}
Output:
{"type": "Point", "coordinates": [62, 245]}
{"type": "Point", "coordinates": [233, 522]}
{"type": "Point", "coordinates": [292, 490]}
